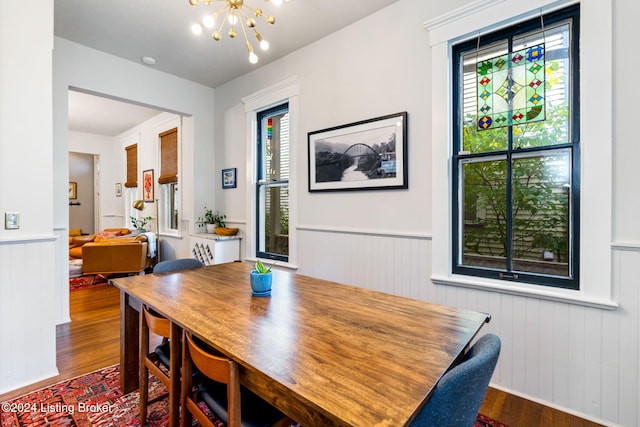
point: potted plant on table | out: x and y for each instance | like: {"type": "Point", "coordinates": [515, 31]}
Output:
{"type": "Point", "coordinates": [261, 279]}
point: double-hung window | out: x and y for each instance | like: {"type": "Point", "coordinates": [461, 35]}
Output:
{"type": "Point", "coordinates": [516, 142]}
{"type": "Point", "coordinates": [272, 215]}
{"type": "Point", "coordinates": [168, 180]}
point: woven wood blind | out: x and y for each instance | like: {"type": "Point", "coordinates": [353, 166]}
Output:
{"type": "Point", "coordinates": [168, 156]}
{"type": "Point", "coordinates": [132, 166]}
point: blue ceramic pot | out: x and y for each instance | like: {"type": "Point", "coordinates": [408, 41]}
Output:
{"type": "Point", "coordinates": [260, 284]}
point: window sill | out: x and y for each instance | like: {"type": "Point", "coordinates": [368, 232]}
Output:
{"type": "Point", "coordinates": [550, 294]}
{"type": "Point", "coordinates": [174, 235]}
{"type": "Point", "coordinates": [270, 262]}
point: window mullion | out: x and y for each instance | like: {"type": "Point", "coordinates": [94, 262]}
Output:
{"type": "Point", "coordinates": [509, 210]}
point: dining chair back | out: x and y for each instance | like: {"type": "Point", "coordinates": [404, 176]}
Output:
{"type": "Point", "coordinates": [176, 264]}
{"type": "Point", "coordinates": [157, 362]}
{"type": "Point", "coordinates": [217, 384]}
{"type": "Point", "coordinates": [459, 393]}
{"type": "Point", "coordinates": [160, 361]}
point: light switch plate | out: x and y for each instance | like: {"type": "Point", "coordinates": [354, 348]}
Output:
{"type": "Point", "coordinates": [11, 220]}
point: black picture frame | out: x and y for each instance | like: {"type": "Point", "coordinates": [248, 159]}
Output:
{"type": "Point", "coordinates": [366, 155]}
{"type": "Point", "coordinates": [229, 178]}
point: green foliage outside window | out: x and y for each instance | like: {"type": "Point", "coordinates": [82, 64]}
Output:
{"type": "Point", "coordinates": [540, 193]}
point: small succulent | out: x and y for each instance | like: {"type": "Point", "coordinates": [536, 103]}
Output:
{"type": "Point", "coordinates": [261, 269]}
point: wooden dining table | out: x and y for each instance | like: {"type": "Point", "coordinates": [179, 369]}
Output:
{"type": "Point", "coordinates": [323, 353]}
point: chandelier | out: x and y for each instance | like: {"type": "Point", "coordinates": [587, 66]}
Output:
{"type": "Point", "coordinates": [236, 13]}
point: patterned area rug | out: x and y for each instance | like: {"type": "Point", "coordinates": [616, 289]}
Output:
{"type": "Point", "coordinates": [95, 399]}
{"type": "Point", "coordinates": [90, 400]}
{"type": "Point", "coordinates": [87, 281]}
{"type": "Point", "coordinates": [484, 421]}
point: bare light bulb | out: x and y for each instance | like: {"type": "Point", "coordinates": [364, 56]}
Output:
{"type": "Point", "coordinates": [196, 29]}
{"type": "Point", "coordinates": [233, 19]}
{"type": "Point", "coordinates": [208, 21]}
{"type": "Point", "coordinates": [277, 2]}
{"type": "Point", "coordinates": [253, 58]}
{"type": "Point", "coordinates": [264, 45]}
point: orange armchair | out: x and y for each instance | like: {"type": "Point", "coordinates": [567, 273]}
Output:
{"type": "Point", "coordinates": [117, 255]}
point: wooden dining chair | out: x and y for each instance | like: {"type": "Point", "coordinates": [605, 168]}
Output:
{"type": "Point", "coordinates": [160, 361]}
{"type": "Point", "coordinates": [216, 383]}
{"type": "Point", "coordinates": [459, 393]}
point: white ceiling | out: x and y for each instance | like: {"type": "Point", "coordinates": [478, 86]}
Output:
{"type": "Point", "coordinates": [104, 116]}
{"type": "Point", "coordinates": [132, 29]}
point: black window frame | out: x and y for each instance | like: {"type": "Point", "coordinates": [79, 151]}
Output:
{"type": "Point", "coordinates": [260, 173]}
{"type": "Point", "coordinates": [458, 51]}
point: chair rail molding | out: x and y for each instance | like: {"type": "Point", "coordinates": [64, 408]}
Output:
{"type": "Point", "coordinates": [368, 232]}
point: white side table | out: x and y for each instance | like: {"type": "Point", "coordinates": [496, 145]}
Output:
{"type": "Point", "coordinates": [213, 249]}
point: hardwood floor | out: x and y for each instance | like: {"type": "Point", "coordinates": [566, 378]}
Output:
{"type": "Point", "coordinates": [515, 411]}
{"type": "Point", "coordinates": [91, 341]}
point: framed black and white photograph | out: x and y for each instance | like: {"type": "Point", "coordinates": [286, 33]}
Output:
{"type": "Point", "coordinates": [366, 155]}
{"type": "Point", "coordinates": [229, 178]}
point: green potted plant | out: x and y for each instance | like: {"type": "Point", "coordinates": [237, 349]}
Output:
{"type": "Point", "coordinates": [209, 220]}
{"type": "Point", "coordinates": [139, 223]}
{"type": "Point", "coordinates": [215, 223]}
{"type": "Point", "coordinates": [261, 279]}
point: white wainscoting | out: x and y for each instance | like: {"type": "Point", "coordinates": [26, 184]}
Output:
{"type": "Point", "coordinates": [582, 360]}
{"type": "Point", "coordinates": [27, 315]}
{"type": "Point", "coordinates": [61, 299]}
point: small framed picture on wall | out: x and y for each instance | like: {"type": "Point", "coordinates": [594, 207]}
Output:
{"type": "Point", "coordinates": [229, 178]}
{"type": "Point", "coordinates": [73, 191]}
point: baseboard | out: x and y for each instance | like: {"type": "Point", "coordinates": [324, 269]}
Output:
{"type": "Point", "coordinates": [555, 406]}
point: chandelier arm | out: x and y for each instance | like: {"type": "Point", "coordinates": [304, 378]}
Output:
{"type": "Point", "coordinates": [246, 39]}
{"type": "Point", "coordinates": [258, 15]}
{"type": "Point", "coordinates": [226, 16]}
{"type": "Point", "coordinates": [217, 13]}
{"type": "Point", "coordinates": [258, 35]}
{"type": "Point", "coordinates": [244, 13]}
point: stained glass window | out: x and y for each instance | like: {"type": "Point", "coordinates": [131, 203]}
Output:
{"type": "Point", "coordinates": [511, 88]}
{"type": "Point", "coordinates": [516, 153]}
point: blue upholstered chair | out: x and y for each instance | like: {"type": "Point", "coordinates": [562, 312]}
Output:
{"type": "Point", "coordinates": [177, 264]}
{"type": "Point", "coordinates": [459, 393]}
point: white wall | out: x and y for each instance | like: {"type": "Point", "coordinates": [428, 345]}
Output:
{"type": "Point", "coordinates": [580, 359]}
{"type": "Point", "coordinates": [375, 73]}
{"type": "Point", "coordinates": [173, 244]}
{"type": "Point", "coordinates": [27, 317]}
{"type": "Point", "coordinates": [90, 70]}
{"type": "Point", "coordinates": [110, 170]}
{"type": "Point", "coordinates": [39, 193]}
{"type": "Point", "coordinates": [81, 209]}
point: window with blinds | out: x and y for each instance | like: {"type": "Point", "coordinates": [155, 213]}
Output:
{"type": "Point", "coordinates": [168, 156]}
{"type": "Point", "coordinates": [132, 166]}
{"type": "Point", "coordinates": [168, 180]}
{"type": "Point", "coordinates": [273, 183]}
